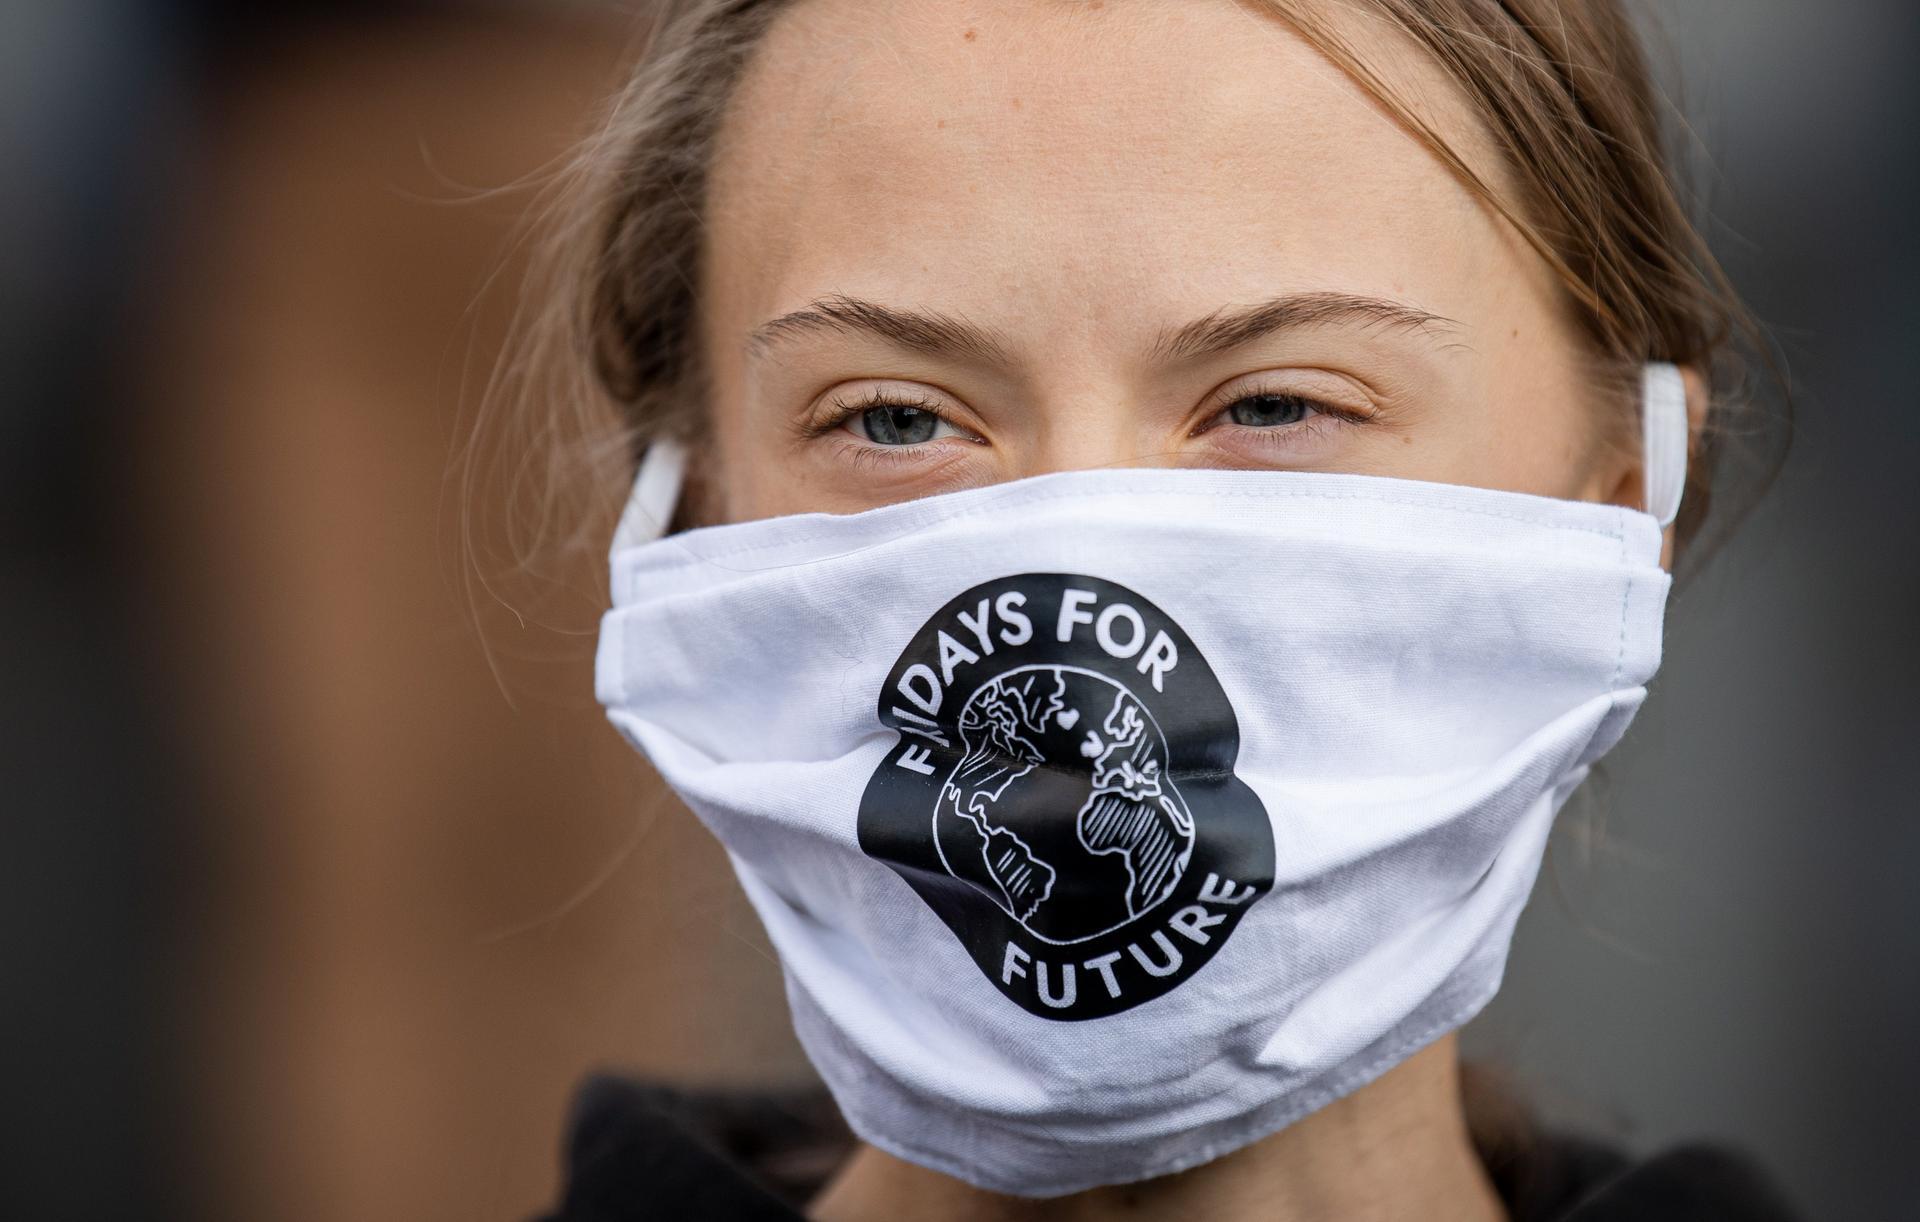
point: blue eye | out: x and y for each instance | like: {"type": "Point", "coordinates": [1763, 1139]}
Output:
{"type": "Point", "coordinates": [1269, 410]}
{"type": "Point", "coordinates": [897, 425]}
{"type": "Point", "coordinates": [893, 420]}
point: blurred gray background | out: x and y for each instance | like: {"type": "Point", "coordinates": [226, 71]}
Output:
{"type": "Point", "coordinates": [303, 920]}
{"type": "Point", "coordinates": [1737, 955]}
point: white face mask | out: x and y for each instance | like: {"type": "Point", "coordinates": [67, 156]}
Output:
{"type": "Point", "coordinates": [1106, 821]}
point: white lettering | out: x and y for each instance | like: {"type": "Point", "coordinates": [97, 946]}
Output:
{"type": "Point", "coordinates": [1103, 631]}
{"type": "Point", "coordinates": [1194, 921]}
{"type": "Point", "coordinates": [1005, 605]}
{"type": "Point", "coordinates": [1070, 613]}
{"type": "Point", "coordinates": [1216, 891]}
{"type": "Point", "coordinates": [928, 701]}
{"type": "Point", "coordinates": [916, 724]}
{"type": "Point", "coordinates": [978, 626]}
{"type": "Point", "coordinates": [913, 762]}
{"type": "Point", "coordinates": [952, 653]}
{"type": "Point", "coordinates": [1066, 983]}
{"type": "Point", "coordinates": [1104, 965]}
{"type": "Point", "coordinates": [1160, 657]}
{"type": "Point", "coordinates": [1014, 964]}
{"type": "Point", "coordinates": [1167, 948]}
{"type": "Point", "coordinates": [1158, 955]}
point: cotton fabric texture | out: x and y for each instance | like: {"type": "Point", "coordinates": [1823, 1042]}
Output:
{"type": "Point", "coordinates": [1106, 821]}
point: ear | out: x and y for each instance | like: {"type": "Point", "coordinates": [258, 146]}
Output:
{"type": "Point", "coordinates": [1628, 486]}
{"type": "Point", "coordinates": [1699, 399]}
{"type": "Point", "coordinates": [698, 506]}
{"type": "Point", "coordinates": [1699, 395]}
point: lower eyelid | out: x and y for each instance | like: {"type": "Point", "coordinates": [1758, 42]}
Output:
{"type": "Point", "coordinates": [924, 457]}
{"type": "Point", "coordinates": [1293, 437]}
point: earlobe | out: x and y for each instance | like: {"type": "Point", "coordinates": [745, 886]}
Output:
{"type": "Point", "coordinates": [1624, 483]}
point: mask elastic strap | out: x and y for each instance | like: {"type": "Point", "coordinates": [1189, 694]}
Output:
{"type": "Point", "coordinates": [656, 489]}
{"type": "Point", "coordinates": [1663, 438]}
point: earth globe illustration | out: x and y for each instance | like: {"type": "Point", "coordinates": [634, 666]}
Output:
{"type": "Point", "coordinates": [1060, 809]}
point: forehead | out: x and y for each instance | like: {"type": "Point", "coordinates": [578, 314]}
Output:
{"type": "Point", "coordinates": [1083, 164]}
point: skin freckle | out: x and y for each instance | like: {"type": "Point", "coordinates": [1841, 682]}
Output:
{"type": "Point", "coordinates": [969, 36]}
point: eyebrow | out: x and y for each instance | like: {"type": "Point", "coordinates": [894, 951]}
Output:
{"type": "Point", "coordinates": [940, 334]}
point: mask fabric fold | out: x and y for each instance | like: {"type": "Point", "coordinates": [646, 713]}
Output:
{"type": "Point", "coordinates": [1106, 821]}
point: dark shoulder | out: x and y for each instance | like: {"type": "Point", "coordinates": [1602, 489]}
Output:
{"type": "Point", "coordinates": [1557, 1176]}
{"type": "Point", "coordinates": [637, 1150]}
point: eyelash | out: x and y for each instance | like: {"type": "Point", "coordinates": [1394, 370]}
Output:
{"type": "Point", "coordinates": [862, 451]}
{"type": "Point", "coordinates": [869, 452]}
{"type": "Point", "coordinates": [1325, 415]}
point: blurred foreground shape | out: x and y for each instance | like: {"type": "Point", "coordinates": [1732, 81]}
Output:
{"type": "Point", "coordinates": [383, 1024]}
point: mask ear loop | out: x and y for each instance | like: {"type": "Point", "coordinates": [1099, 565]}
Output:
{"type": "Point", "coordinates": [656, 490]}
{"type": "Point", "coordinates": [1663, 438]}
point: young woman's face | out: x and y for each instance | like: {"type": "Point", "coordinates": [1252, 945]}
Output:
{"type": "Point", "coordinates": [953, 242]}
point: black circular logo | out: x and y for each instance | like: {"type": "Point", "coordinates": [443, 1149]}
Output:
{"type": "Point", "coordinates": [1062, 793]}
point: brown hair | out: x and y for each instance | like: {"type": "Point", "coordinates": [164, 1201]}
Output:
{"type": "Point", "coordinates": [606, 356]}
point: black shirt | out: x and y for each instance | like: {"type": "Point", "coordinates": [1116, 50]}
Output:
{"type": "Point", "coordinates": [638, 1152]}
